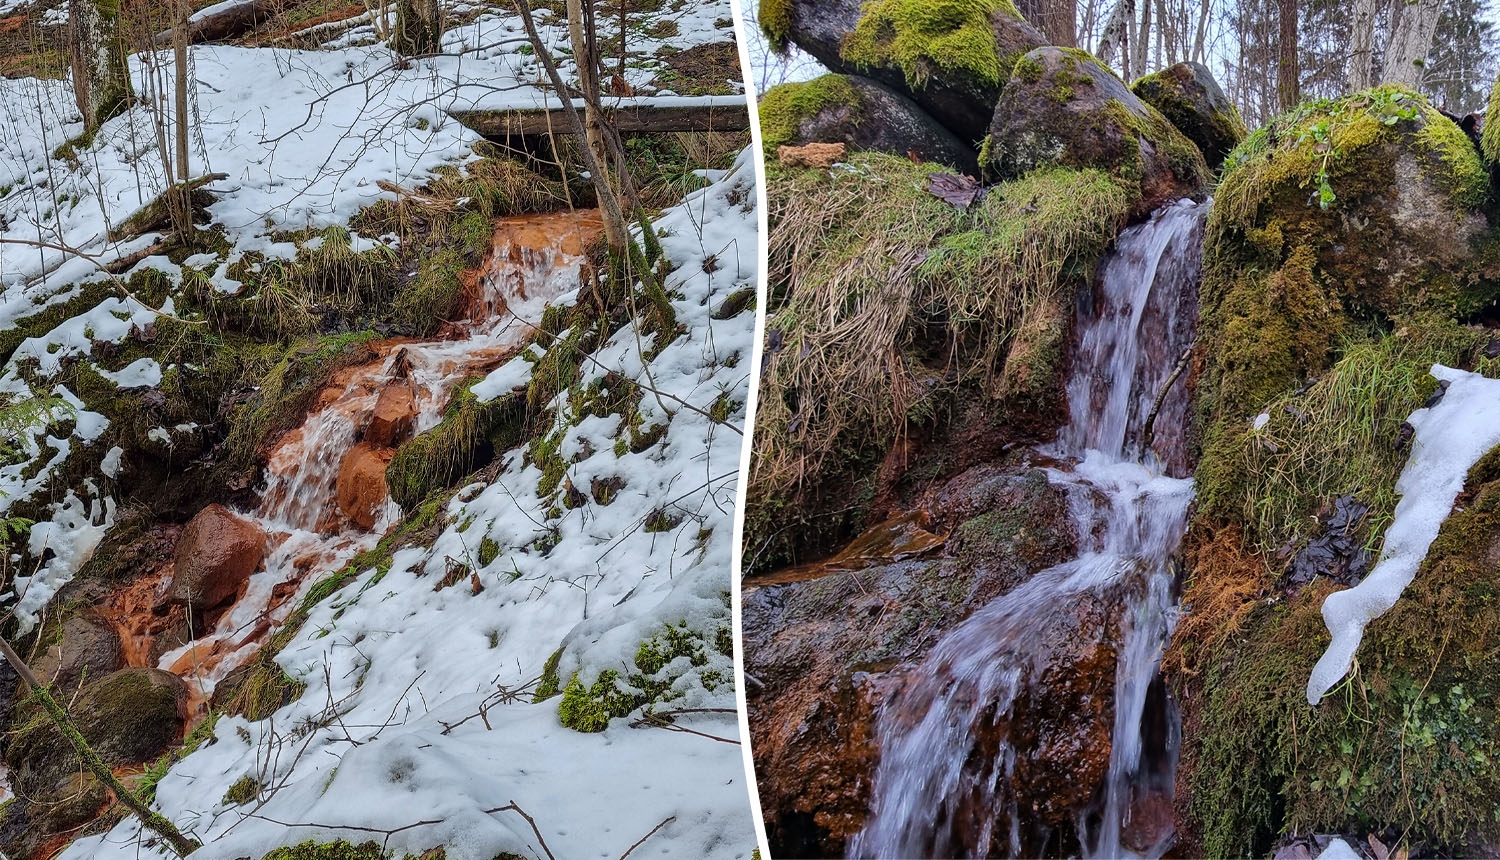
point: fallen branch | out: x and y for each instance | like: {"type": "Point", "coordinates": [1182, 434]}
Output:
{"type": "Point", "coordinates": [103, 267]}
{"type": "Point", "coordinates": [660, 721]}
{"type": "Point", "coordinates": [664, 822]}
{"type": "Point", "coordinates": [1149, 435]}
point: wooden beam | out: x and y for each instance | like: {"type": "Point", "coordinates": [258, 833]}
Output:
{"type": "Point", "coordinates": [627, 119]}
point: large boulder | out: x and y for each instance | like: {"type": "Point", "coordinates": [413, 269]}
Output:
{"type": "Point", "coordinates": [860, 113]}
{"type": "Point", "coordinates": [361, 487]}
{"type": "Point", "coordinates": [129, 717]}
{"type": "Point", "coordinates": [29, 827]}
{"type": "Point", "coordinates": [951, 56]}
{"type": "Point", "coordinates": [216, 553]}
{"type": "Point", "coordinates": [1063, 108]}
{"type": "Point", "coordinates": [90, 649]}
{"type": "Point", "coordinates": [1189, 97]}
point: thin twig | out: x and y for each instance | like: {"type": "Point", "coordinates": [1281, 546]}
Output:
{"type": "Point", "coordinates": [664, 822]}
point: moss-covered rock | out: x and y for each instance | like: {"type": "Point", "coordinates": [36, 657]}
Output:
{"type": "Point", "coordinates": [1063, 108]}
{"type": "Point", "coordinates": [28, 826]}
{"type": "Point", "coordinates": [952, 57]}
{"type": "Point", "coordinates": [1347, 243]}
{"type": "Point", "coordinates": [1340, 215]}
{"type": "Point", "coordinates": [128, 717]}
{"type": "Point", "coordinates": [1189, 97]}
{"type": "Point", "coordinates": [858, 112]}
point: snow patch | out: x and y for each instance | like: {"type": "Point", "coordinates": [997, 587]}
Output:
{"type": "Point", "coordinates": [1450, 438]}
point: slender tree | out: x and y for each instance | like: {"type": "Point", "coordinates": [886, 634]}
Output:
{"type": "Point", "coordinates": [1362, 46]}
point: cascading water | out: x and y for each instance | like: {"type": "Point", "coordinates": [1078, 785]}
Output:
{"type": "Point", "coordinates": [535, 260]}
{"type": "Point", "coordinates": [944, 785]}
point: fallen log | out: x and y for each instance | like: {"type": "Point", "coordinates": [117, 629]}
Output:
{"type": "Point", "coordinates": [626, 119]}
{"type": "Point", "coordinates": [225, 21]}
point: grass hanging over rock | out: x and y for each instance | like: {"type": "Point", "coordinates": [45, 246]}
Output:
{"type": "Point", "coordinates": [469, 434]}
{"type": "Point", "coordinates": [885, 301]}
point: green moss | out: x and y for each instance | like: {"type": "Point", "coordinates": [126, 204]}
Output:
{"type": "Point", "coordinates": [489, 550]}
{"type": "Point", "coordinates": [339, 850]}
{"type": "Point", "coordinates": [1449, 156]}
{"type": "Point", "coordinates": [244, 790]}
{"type": "Point", "coordinates": [469, 434]}
{"type": "Point", "coordinates": [589, 709]}
{"type": "Point", "coordinates": [550, 682]}
{"type": "Point", "coordinates": [776, 22]}
{"type": "Point", "coordinates": [783, 108]}
{"type": "Point", "coordinates": [1490, 139]}
{"type": "Point", "coordinates": [921, 36]}
{"type": "Point", "coordinates": [1163, 91]}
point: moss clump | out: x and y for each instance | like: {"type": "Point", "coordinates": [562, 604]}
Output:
{"type": "Point", "coordinates": [244, 790]}
{"type": "Point", "coordinates": [957, 304]}
{"type": "Point", "coordinates": [550, 682]}
{"type": "Point", "coordinates": [783, 108]}
{"type": "Point", "coordinates": [589, 709]}
{"type": "Point", "coordinates": [921, 36]}
{"type": "Point", "coordinates": [339, 850]}
{"type": "Point", "coordinates": [776, 22]}
{"type": "Point", "coordinates": [468, 436]}
{"type": "Point", "coordinates": [1490, 140]}
{"type": "Point", "coordinates": [264, 687]}
{"type": "Point", "coordinates": [489, 550]}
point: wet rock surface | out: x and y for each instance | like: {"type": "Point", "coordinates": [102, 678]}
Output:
{"type": "Point", "coordinates": [361, 488]}
{"type": "Point", "coordinates": [1063, 108]}
{"type": "Point", "coordinates": [216, 553]}
{"type": "Point", "coordinates": [824, 654]}
{"type": "Point", "coordinates": [395, 416]}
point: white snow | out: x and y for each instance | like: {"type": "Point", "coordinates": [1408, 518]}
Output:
{"type": "Point", "coordinates": [141, 372]}
{"type": "Point", "coordinates": [71, 535]}
{"type": "Point", "coordinates": [1260, 421]}
{"type": "Point", "coordinates": [1450, 438]}
{"type": "Point", "coordinates": [110, 465]}
{"type": "Point", "coordinates": [400, 662]}
{"type": "Point", "coordinates": [1338, 849]}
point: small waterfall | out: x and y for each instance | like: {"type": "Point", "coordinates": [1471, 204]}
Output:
{"type": "Point", "coordinates": [535, 259]}
{"type": "Point", "coordinates": [944, 785]}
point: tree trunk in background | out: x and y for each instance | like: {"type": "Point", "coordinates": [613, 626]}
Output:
{"type": "Point", "coordinates": [101, 75]}
{"type": "Point", "coordinates": [1141, 48]}
{"type": "Point", "coordinates": [1411, 39]}
{"type": "Point", "coordinates": [1362, 46]}
{"type": "Point", "coordinates": [588, 79]}
{"type": "Point", "coordinates": [1116, 38]}
{"type": "Point", "coordinates": [1288, 76]}
{"type": "Point", "coordinates": [1057, 19]}
{"type": "Point", "coordinates": [419, 27]}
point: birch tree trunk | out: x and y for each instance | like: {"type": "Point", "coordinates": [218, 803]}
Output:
{"type": "Point", "coordinates": [1115, 40]}
{"type": "Point", "coordinates": [1141, 48]}
{"type": "Point", "coordinates": [1411, 39]}
{"type": "Point", "coordinates": [1362, 46]}
{"type": "Point", "coordinates": [419, 28]}
{"type": "Point", "coordinates": [101, 74]}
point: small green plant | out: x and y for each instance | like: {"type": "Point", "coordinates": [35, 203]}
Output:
{"type": "Point", "coordinates": [244, 790]}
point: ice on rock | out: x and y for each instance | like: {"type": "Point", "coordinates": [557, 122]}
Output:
{"type": "Point", "coordinates": [1450, 438]}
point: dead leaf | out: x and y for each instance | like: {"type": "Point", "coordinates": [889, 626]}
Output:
{"type": "Point", "coordinates": [961, 191]}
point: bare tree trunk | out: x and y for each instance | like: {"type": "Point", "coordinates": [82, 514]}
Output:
{"type": "Point", "coordinates": [1116, 37]}
{"type": "Point", "coordinates": [588, 78]}
{"type": "Point", "coordinates": [1362, 46]}
{"type": "Point", "coordinates": [152, 819]}
{"type": "Point", "coordinates": [1142, 43]}
{"type": "Point", "coordinates": [1411, 39]}
{"type": "Point", "coordinates": [1200, 38]}
{"type": "Point", "coordinates": [1288, 75]}
{"type": "Point", "coordinates": [419, 27]}
{"type": "Point", "coordinates": [101, 73]}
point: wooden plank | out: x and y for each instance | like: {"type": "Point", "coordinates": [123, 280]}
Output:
{"type": "Point", "coordinates": [633, 118]}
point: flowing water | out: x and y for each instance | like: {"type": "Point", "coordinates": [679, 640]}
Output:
{"type": "Point", "coordinates": [310, 534]}
{"type": "Point", "coordinates": [945, 783]}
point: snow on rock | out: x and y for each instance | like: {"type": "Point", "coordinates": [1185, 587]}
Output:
{"type": "Point", "coordinates": [141, 372]}
{"type": "Point", "coordinates": [1338, 849]}
{"type": "Point", "coordinates": [389, 731]}
{"type": "Point", "coordinates": [1450, 438]}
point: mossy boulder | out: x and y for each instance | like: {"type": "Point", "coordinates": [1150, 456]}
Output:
{"type": "Point", "coordinates": [952, 57]}
{"type": "Point", "coordinates": [1063, 108]}
{"type": "Point", "coordinates": [1189, 97]}
{"type": "Point", "coordinates": [30, 826]}
{"type": "Point", "coordinates": [861, 113]}
{"type": "Point", "coordinates": [129, 717]}
{"type": "Point", "coordinates": [1340, 215]}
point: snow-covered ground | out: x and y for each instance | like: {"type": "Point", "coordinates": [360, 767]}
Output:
{"type": "Point", "coordinates": [390, 663]}
{"type": "Point", "coordinates": [305, 138]}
